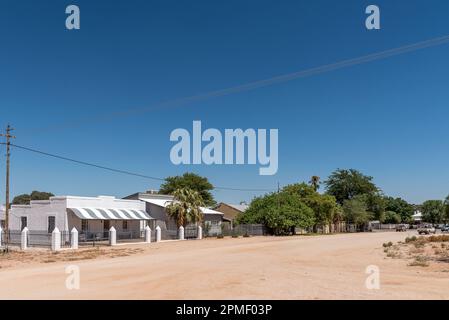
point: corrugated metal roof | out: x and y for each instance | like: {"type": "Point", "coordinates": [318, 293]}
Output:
{"type": "Point", "coordinates": [238, 207]}
{"type": "Point", "coordinates": [109, 214]}
{"type": "Point", "coordinates": [164, 203]}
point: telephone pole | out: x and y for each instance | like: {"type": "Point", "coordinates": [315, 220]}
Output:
{"type": "Point", "coordinates": [8, 137]}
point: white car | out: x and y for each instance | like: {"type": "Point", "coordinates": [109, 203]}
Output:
{"type": "Point", "coordinates": [426, 229]}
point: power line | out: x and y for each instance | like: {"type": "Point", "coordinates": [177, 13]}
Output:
{"type": "Point", "coordinates": [266, 82]}
{"type": "Point", "coordinates": [126, 172]}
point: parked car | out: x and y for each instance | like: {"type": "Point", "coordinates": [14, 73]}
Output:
{"type": "Point", "coordinates": [445, 228]}
{"type": "Point", "coordinates": [401, 228]}
{"type": "Point", "coordinates": [439, 226]}
{"type": "Point", "coordinates": [426, 229]}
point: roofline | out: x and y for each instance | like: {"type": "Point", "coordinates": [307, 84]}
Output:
{"type": "Point", "coordinates": [229, 206]}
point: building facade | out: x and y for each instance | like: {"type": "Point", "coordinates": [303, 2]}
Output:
{"type": "Point", "coordinates": [91, 216]}
{"type": "Point", "coordinates": [156, 205]}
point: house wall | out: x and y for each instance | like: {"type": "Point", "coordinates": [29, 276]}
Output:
{"type": "Point", "coordinates": [104, 202]}
{"type": "Point", "coordinates": [229, 212]}
{"type": "Point", "coordinates": [37, 215]}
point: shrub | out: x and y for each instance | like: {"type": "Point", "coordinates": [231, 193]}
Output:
{"type": "Point", "coordinates": [410, 239]}
{"type": "Point", "coordinates": [420, 261]}
{"type": "Point", "coordinates": [220, 236]}
{"type": "Point", "coordinates": [387, 244]}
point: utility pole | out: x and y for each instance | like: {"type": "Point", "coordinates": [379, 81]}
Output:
{"type": "Point", "coordinates": [8, 137]}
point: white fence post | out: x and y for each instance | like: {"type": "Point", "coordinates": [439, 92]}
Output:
{"type": "Point", "coordinates": [147, 234]}
{"type": "Point", "coordinates": [24, 239]}
{"type": "Point", "coordinates": [112, 236]}
{"type": "Point", "coordinates": [158, 234]}
{"type": "Point", "coordinates": [199, 235]}
{"type": "Point", "coordinates": [74, 238]}
{"type": "Point", "coordinates": [1, 234]}
{"type": "Point", "coordinates": [181, 233]}
{"type": "Point", "coordinates": [56, 240]}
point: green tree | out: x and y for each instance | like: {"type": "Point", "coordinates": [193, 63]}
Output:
{"type": "Point", "coordinates": [392, 217]}
{"type": "Point", "coordinates": [325, 208]}
{"type": "Point", "coordinates": [281, 212]}
{"type": "Point", "coordinates": [433, 211]}
{"type": "Point", "coordinates": [401, 207]}
{"type": "Point", "coordinates": [35, 195]}
{"type": "Point", "coordinates": [355, 211]}
{"type": "Point", "coordinates": [301, 190]}
{"type": "Point", "coordinates": [191, 181]}
{"type": "Point", "coordinates": [315, 182]}
{"type": "Point", "coordinates": [185, 208]}
{"type": "Point", "coordinates": [375, 205]}
{"type": "Point", "coordinates": [346, 184]}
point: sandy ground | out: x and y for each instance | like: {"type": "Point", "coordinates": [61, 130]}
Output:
{"type": "Point", "coordinates": [301, 267]}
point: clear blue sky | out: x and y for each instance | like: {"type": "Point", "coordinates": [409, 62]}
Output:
{"type": "Point", "coordinates": [387, 118]}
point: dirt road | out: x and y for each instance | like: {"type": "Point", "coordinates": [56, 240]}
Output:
{"type": "Point", "coordinates": [302, 267]}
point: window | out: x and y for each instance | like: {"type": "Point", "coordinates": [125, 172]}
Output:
{"type": "Point", "coordinates": [2, 224]}
{"type": "Point", "coordinates": [125, 225]}
{"type": "Point", "coordinates": [106, 225]}
{"type": "Point", "coordinates": [51, 223]}
{"type": "Point", "coordinates": [23, 223]}
{"type": "Point", "coordinates": [84, 225]}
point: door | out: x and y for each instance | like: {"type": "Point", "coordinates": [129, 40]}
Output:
{"type": "Point", "coordinates": [23, 223]}
{"type": "Point", "coordinates": [106, 227]}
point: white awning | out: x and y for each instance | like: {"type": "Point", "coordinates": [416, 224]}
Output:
{"type": "Point", "coordinates": [110, 214]}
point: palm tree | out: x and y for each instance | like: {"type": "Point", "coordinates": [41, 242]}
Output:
{"type": "Point", "coordinates": [315, 182]}
{"type": "Point", "coordinates": [185, 207]}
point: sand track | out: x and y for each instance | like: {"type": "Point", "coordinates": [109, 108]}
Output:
{"type": "Point", "coordinates": [312, 267]}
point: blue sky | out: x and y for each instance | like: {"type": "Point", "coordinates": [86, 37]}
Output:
{"type": "Point", "coordinates": [387, 118]}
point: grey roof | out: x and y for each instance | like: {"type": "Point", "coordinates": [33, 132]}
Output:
{"type": "Point", "coordinates": [238, 207]}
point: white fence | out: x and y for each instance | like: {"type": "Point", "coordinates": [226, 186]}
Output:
{"type": "Point", "coordinates": [58, 240]}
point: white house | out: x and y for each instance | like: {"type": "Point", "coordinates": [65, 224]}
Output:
{"type": "Point", "coordinates": [156, 205]}
{"type": "Point", "coordinates": [417, 216]}
{"type": "Point", "coordinates": [2, 217]}
{"type": "Point", "coordinates": [91, 216]}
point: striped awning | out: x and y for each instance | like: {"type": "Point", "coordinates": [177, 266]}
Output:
{"type": "Point", "coordinates": [110, 214]}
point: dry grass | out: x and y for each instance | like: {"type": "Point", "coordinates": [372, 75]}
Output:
{"type": "Point", "coordinates": [420, 261]}
{"type": "Point", "coordinates": [17, 257]}
{"type": "Point", "coordinates": [421, 251]}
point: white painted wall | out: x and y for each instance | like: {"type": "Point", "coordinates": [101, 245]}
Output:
{"type": "Point", "coordinates": [37, 213]}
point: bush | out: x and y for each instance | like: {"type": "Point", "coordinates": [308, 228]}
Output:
{"type": "Point", "coordinates": [246, 235]}
{"type": "Point", "coordinates": [411, 239]}
{"type": "Point", "coordinates": [220, 236]}
{"type": "Point", "coordinates": [388, 244]}
{"type": "Point", "coordinates": [440, 238]}
{"type": "Point", "coordinates": [420, 261]}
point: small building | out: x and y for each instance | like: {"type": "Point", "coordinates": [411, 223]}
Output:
{"type": "Point", "coordinates": [156, 205]}
{"type": "Point", "coordinates": [2, 217]}
{"type": "Point", "coordinates": [91, 216]}
{"type": "Point", "coordinates": [231, 211]}
{"type": "Point", "coordinates": [417, 217]}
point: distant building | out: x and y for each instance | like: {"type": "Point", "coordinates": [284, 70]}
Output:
{"type": "Point", "coordinates": [417, 216]}
{"type": "Point", "coordinates": [231, 211]}
{"type": "Point", "coordinates": [156, 205]}
{"type": "Point", "coordinates": [2, 217]}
